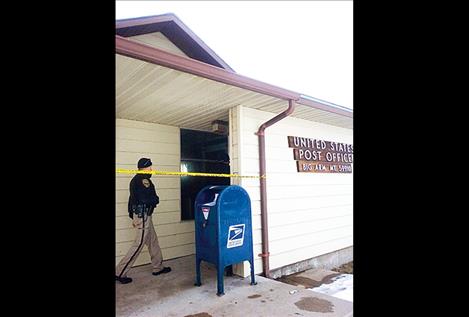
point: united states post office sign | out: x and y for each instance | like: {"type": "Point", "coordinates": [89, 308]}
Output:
{"type": "Point", "coordinates": [319, 156]}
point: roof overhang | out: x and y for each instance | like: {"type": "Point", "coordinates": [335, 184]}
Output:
{"type": "Point", "coordinates": [156, 56]}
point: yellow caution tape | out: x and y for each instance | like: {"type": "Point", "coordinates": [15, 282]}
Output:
{"type": "Point", "coordinates": [126, 171]}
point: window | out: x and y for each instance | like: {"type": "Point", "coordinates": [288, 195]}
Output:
{"type": "Point", "coordinates": [201, 152]}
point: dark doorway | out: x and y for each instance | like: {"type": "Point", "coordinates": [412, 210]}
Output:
{"type": "Point", "coordinates": [201, 152]}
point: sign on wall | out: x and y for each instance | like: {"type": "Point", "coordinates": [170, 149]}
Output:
{"type": "Point", "coordinates": [319, 156]}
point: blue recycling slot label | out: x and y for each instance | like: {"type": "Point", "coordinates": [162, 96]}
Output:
{"type": "Point", "coordinates": [235, 236]}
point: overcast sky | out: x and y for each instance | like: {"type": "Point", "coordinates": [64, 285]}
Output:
{"type": "Point", "coordinates": [304, 46]}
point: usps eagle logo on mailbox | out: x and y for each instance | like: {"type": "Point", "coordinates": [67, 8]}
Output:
{"type": "Point", "coordinates": [235, 236]}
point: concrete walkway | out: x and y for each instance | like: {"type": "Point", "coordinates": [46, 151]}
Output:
{"type": "Point", "coordinates": [174, 294]}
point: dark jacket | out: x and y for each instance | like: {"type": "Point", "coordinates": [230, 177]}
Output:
{"type": "Point", "coordinates": [142, 194]}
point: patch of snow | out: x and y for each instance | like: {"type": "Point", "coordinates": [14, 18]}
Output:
{"type": "Point", "coordinates": [341, 287]}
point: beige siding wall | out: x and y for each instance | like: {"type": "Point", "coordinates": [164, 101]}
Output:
{"type": "Point", "coordinates": [135, 139]}
{"type": "Point", "coordinates": [160, 41]}
{"type": "Point", "coordinates": [310, 214]}
{"type": "Point", "coordinates": [234, 147]}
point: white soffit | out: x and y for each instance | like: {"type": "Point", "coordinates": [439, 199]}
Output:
{"type": "Point", "coordinates": [152, 93]}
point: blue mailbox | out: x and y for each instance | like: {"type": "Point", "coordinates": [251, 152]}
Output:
{"type": "Point", "coordinates": [223, 230]}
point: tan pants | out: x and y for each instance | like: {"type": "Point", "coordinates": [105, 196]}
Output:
{"type": "Point", "coordinates": [150, 239]}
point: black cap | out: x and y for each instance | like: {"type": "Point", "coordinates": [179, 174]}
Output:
{"type": "Point", "coordinates": [144, 162]}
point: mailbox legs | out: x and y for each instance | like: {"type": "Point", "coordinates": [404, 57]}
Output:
{"type": "Point", "coordinates": [220, 274]}
{"type": "Point", "coordinates": [197, 272]}
{"type": "Point", "coordinates": [253, 277]}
